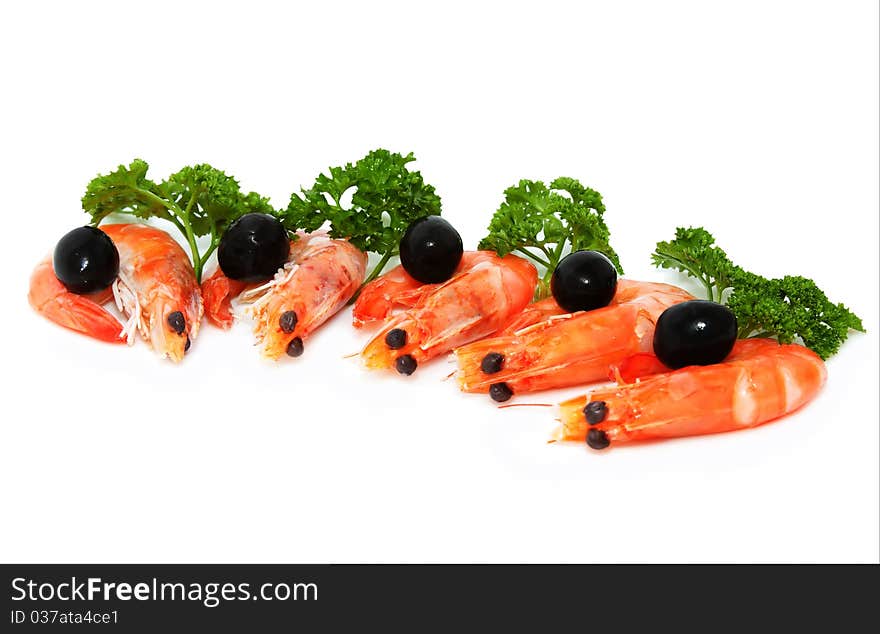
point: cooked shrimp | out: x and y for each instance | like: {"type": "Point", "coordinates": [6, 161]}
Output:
{"type": "Point", "coordinates": [397, 288]}
{"type": "Point", "coordinates": [485, 293]}
{"type": "Point", "coordinates": [319, 278]}
{"type": "Point", "coordinates": [544, 347]}
{"type": "Point", "coordinates": [760, 381]}
{"type": "Point", "coordinates": [156, 289]}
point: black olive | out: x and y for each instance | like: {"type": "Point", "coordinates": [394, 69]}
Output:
{"type": "Point", "coordinates": [492, 363]}
{"type": "Point", "coordinates": [396, 338]}
{"type": "Point", "coordinates": [500, 392]}
{"type": "Point", "coordinates": [406, 364]}
{"type": "Point", "coordinates": [430, 250]}
{"type": "Point", "coordinates": [697, 332]}
{"type": "Point", "coordinates": [86, 260]}
{"type": "Point", "coordinates": [583, 280]}
{"type": "Point", "coordinates": [253, 248]}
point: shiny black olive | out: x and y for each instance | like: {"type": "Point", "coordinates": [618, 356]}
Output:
{"type": "Point", "coordinates": [583, 280]}
{"type": "Point", "coordinates": [253, 248]}
{"type": "Point", "coordinates": [430, 250]}
{"type": "Point", "coordinates": [697, 332]}
{"type": "Point", "coordinates": [86, 260]}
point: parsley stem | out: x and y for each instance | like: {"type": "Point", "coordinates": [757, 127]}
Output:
{"type": "Point", "coordinates": [558, 253]}
{"type": "Point", "coordinates": [206, 255]}
{"type": "Point", "coordinates": [173, 219]}
{"type": "Point", "coordinates": [190, 237]}
{"type": "Point", "coordinates": [693, 272]}
{"type": "Point", "coordinates": [180, 219]}
{"type": "Point", "coordinates": [377, 270]}
{"type": "Point", "coordinates": [535, 257]}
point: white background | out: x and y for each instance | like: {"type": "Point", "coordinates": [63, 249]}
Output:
{"type": "Point", "coordinates": [758, 120]}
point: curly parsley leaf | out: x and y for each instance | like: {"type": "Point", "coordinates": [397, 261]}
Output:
{"type": "Point", "coordinates": [199, 200]}
{"type": "Point", "coordinates": [212, 199]}
{"type": "Point", "coordinates": [540, 222]}
{"type": "Point", "coordinates": [387, 197]}
{"type": "Point", "coordinates": [694, 253]}
{"type": "Point", "coordinates": [788, 309]}
{"type": "Point", "coordinates": [126, 190]}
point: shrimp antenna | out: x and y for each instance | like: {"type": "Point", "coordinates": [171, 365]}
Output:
{"type": "Point", "coordinates": [525, 405]}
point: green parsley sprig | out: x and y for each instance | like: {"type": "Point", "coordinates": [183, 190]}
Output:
{"type": "Point", "coordinates": [787, 309]}
{"type": "Point", "coordinates": [199, 200]}
{"type": "Point", "coordinates": [541, 222]}
{"type": "Point", "coordinates": [387, 197]}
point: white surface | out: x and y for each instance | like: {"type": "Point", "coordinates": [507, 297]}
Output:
{"type": "Point", "coordinates": [757, 120]}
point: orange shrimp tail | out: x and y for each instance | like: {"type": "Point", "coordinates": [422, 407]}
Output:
{"type": "Point", "coordinates": [759, 382]}
{"type": "Point", "coordinates": [217, 294]}
{"type": "Point", "coordinates": [81, 313]}
{"type": "Point", "coordinates": [476, 302]}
